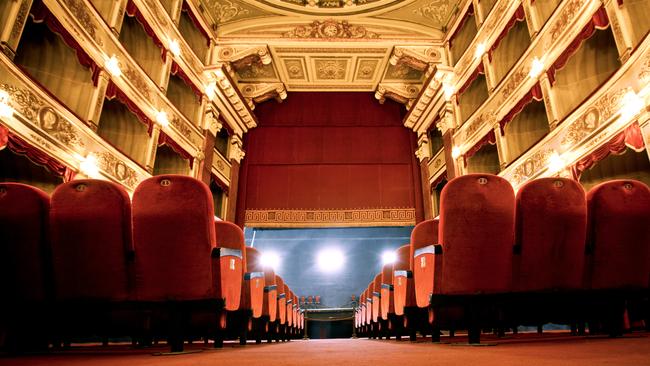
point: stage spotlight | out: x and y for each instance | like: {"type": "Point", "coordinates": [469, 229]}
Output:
{"type": "Point", "coordinates": [330, 260]}
{"type": "Point", "coordinates": [270, 260]}
{"type": "Point", "coordinates": [388, 257]}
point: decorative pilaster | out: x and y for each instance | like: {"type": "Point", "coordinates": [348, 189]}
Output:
{"type": "Point", "coordinates": [235, 154]}
{"type": "Point", "coordinates": [502, 146]}
{"type": "Point", "coordinates": [478, 10]}
{"type": "Point", "coordinates": [163, 79]}
{"type": "Point", "coordinates": [152, 148]}
{"type": "Point", "coordinates": [423, 153]}
{"type": "Point", "coordinates": [489, 73]}
{"type": "Point", "coordinates": [175, 12]}
{"type": "Point", "coordinates": [13, 28]}
{"type": "Point", "coordinates": [116, 17]}
{"type": "Point", "coordinates": [621, 28]}
{"type": "Point", "coordinates": [549, 100]}
{"type": "Point", "coordinates": [198, 167]}
{"type": "Point", "coordinates": [446, 126]}
{"type": "Point", "coordinates": [532, 18]}
{"type": "Point", "coordinates": [97, 100]}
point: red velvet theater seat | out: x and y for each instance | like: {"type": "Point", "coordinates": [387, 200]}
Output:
{"type": "Point", "coordinates": [404, 290]}
{"type": "Point", "coordinates": [24, 265]}
{"type": "Point", "coordinates": [424, 243]}
{"type": "Point", "coordinates": [270, 305]}
{"type": "Point", "coordinates": [92, 252]}
{"type": "Point", "coordinates": [289, 306]}
{"type": "Point", "coordinates": [369, 292]}
{"type": "Point", "coordinates": [477, 226]}
{"type": "Point", "coordinates": [387, 305]}
{"type": "Point", "coordinates": [282, 300]}
{"type": "Point", "coordinates": [551, 224]}
{"type": "Point", "coordinates": [253, 283]}
{"type": "Point", "coordinates": [177, 264]}
{"type": "Point", "coordinates": [618, 235]}
{"type": "Point", "coordinates": [231, 244]}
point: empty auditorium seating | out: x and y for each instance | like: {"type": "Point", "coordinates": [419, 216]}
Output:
{"type": "Point", "coordinates": [92, 256]}
{"type": "Point", "coordinates": [230, 241]}
{"type": "Point", "coordinates": [376, 299]}
{"type": "Point", "coordinates": [177, 265]}
{"type": "Point", "coordinates": [24, 263]}
{"type": "Point", "coordinates": [387, 305]}
{"type": "Point", "coordinates": [404, 292]}
{"type": "Point", "coordinates": [270, 303]}
{"type": "Point", "coordinates": [252, 296]}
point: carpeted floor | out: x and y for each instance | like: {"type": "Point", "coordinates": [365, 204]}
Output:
{"type": "Point", "coordinates": [529, 350]}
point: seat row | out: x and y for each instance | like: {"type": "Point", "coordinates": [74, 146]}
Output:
{"type": "Point", "coordinates": [89, 261]}
{"type": "Point", "coordinates": [493, 260]}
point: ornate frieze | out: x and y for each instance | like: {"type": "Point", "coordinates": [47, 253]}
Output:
{"type": "Point", "coordinates": [330, 218]}
{"type": "Point", "coordinates": [118, 169]}
{"type": "Point", "coordinates": [331, 29]}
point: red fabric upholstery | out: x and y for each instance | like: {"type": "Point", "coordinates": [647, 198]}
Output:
{"type": "Point", "coordinates": [24, 246]}
{"type": "Point", "coordinates": [173, 232]}
{"type": "Point", "coordinates": [253, 283]}
{"type": "Point", "coordinates": [404, 288]}
{"type": "Point", "coordinates": [376, 298]}
{"type": "Point", "coordinates": [551, 225]}
{"type": "Point", "coordinates": [369, 291]}
{"type": "Point", "coordinates": [619, 235]}
{"type": "Point", "coordinates": [289, 305]}
{"type": "Point", "coordinates": [270, 305]}
{"type": "Point", "coordinates": [230, 236]}
{"type": "Point", "coordinates": [296, 320]}
{"type": "Point", "coordinates": [90, 223]}
{"type": "Point", "coordinates": [282, 300]}
{"type": "Point", "coordinates": [387, 305]}
{"type": "Point", "coordinates": [423, 237]}
{"type": "Point", "coordinates": [477, 221]}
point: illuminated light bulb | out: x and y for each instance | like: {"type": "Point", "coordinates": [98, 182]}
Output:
{"type": "Point", "coordinates": [455, 152]}
{"type": "Point", "coordinates": [330, 260]}
{"type": "Point", "coordinates": [174, 47]}
{"type": "Point", "coordinates": [270, 260]}
{"type": "Point", "coordinates": [480, 50]}
{"type": "Point", "coordinates": [448, 91]}
{"type": "Point", "coordinates": [89, 167]}
{"type": "Point", "coordinates": [536, 68]}
{"type": "Point", "coordinates": [162, 119]}
{"type": "Point", "coordinates": [211, 90]}
{"type": "Point", "coordinates": [631, 105]}
{"type": "Point", "coordinates": [5, 109]}
{"type": "Point", "coordinates": [219, 73]}
{"type": "Point", "coordinates": [388, 257]}
{"type": "Point", "coordinates": [555, 163]}
{"type": "Point", "coordinates": [113, 66]}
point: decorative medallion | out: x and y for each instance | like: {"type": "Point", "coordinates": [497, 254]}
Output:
{"type": "Point", "coordinates": [118, 169]}
{"type": "Point", "coordinates": [294, 69]}
{"type": "Point", "coordinates": [331, 29]}
{"type": "Point", "coordinates": [437, 10]}
{"type": "Point", "coordinates": [225, 10]}
{"type": "Point", "coordinates": [531, 166]}
{"type": "Point", "coordinates": [331, 69]}
{"type": "Point", "coordinates": [60, 128]}
{"type": "Point", "coordinates": [366, 69]}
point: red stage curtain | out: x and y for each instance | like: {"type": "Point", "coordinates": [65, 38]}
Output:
{"type": "Point", "coordinates": [40, 13]}
{"type": "Point", "coordinates": [598, 21]}
{"type": "Point", "coordinates": [468, 14]}
{"type": "Point", "coordinates": [631, 137]}
{"type": "Point", "coordinates": [37, 156]}
{"type": "Point", "coordinates": [112, 91]}
{"type": "Point", "coordinates": [195, 20]}
{"type": "Point", "coordinates": [535, 93]}
{"type": "Point", "coordinates": [133, 11]}
{"type": "Point", "coordinates": [329, 151]}
{"type": "Point", "coordinates": [163, 139]}
{"type": "Point", "coordinates": [519, 16]}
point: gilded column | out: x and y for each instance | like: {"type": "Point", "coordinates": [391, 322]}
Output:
{"type": "Point", "coordinates": [621, 27]}
{"type": "Point", "coordinates": [532, 18]}
{"type": "Point", "coordinates": [549, 100]}
{"type": "Point", "coordinates": [446, 127]}
{"type": "Point", "coordinates": [152, 148]}
{"type": "Point", "coordinates": [163, 78]}
{"type": "Point", "coordinates": [212, 127]}
{"type": "Point", "coordinates": [14, 23]}
{"type": "Point", "coordinates": [116, 17]}
{"type": "Point", "coordinates": [502, 146]}
{"type": "Point", "coordinates": [478, 10]}
{"type": "Point", "coordinates": [175, 12]}
{"type": "Point", "coordinates": [489, 72]}
{"type": "Point", "coordinates": [423, 153]}
{"type": "Point", "coordinates": [235, 154]}
{"type": "Point", "coordinates": [97, 100]}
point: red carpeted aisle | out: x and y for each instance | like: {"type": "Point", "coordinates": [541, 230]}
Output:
{"type": "Point", "coordinates": [549, 349]}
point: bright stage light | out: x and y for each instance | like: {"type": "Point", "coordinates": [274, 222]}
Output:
{"type": "Point", "coordinates": [330, 260]}
{"type": "Point", "coordinates": [388, 257]}
{"type": "Point", "coordinates": [270, 260]}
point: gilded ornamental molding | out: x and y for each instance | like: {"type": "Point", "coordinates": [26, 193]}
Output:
{"type": "Point", "coordinates": [330, 218]}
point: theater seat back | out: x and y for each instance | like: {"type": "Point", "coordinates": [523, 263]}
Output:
{"type": "Point", "coordinates": [364, 307]}
{"type": "Point", "coordinates": [270, 306]}
{"type": "Point", "coordinates": [551, 225]}
{"type": "Point", "coordinates": [289, 305]}
{"type": "Point", "coordinates": [477, 226]}
{"type": "Point", "coordinates": [404, 289]}
{"type": "Point", "coordinates": [231, 244]}
{"type": "Point", "coordinates": [619, 235]}
{"type": "Point", "coordinates": [282, 300]}
{"type": "Point", "coordinates": [424, 237]}
{"type": "Point", "coordinates": [24, 247]}
{"type": "Point", "coordinates": [91, 241]}
{"type": "Point", "coordinates": [387, 306]}
{"type": "Point", "coordinates": [376, 298]}
{"type": "Point", "coordinates": [369, 292]}
{"type": "Point", "coordinates": [173, 232]}
{"type": "Point", "coordinates": [254, 282]}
